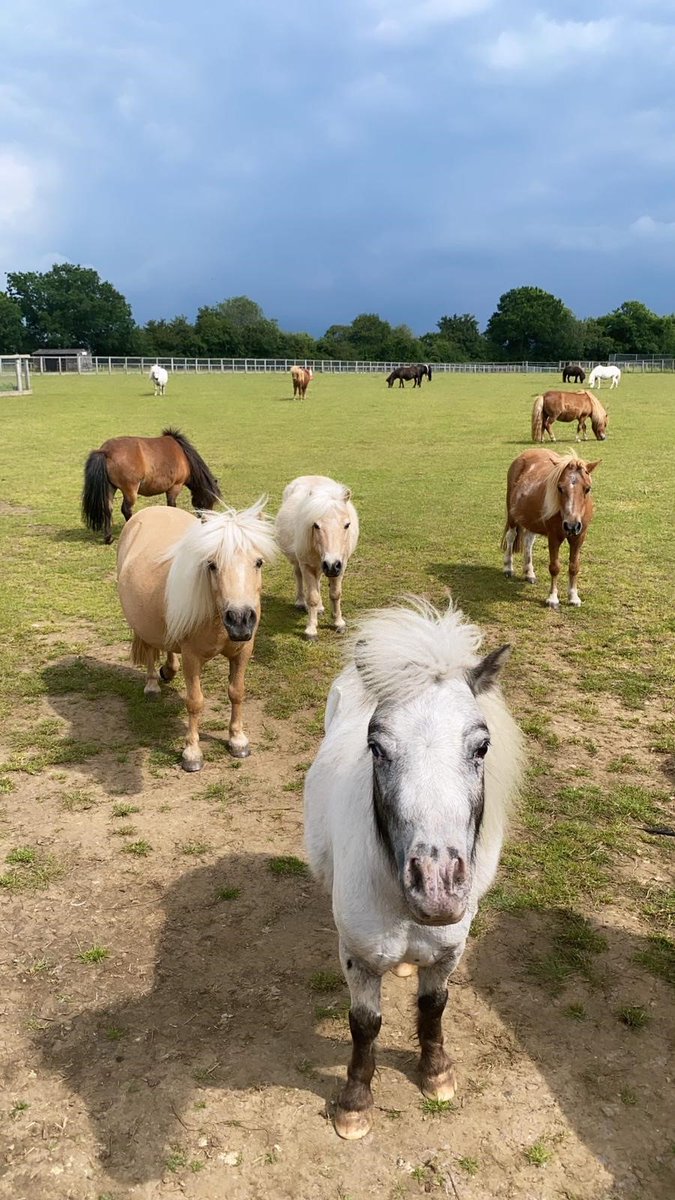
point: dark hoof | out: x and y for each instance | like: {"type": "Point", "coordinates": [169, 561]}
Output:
{"type": "Point", "coordinates": [238, 751]}
{"type": "Point", "coordinates": [191, 767]}
{"type": "Point", "coordinates": [164, 677]}
{"type": "Point", "coordinates": [311, 637]}
{"type": "Point", "coordinates": [107, 541]}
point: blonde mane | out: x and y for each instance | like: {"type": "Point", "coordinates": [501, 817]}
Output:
{"type": "Point", "coordinates": [598, 413]}
{"type": "Point", "coordinates": [325, 500]}
{"type": "Point", "coordinates": [218, 537]}
{"type": "Point", "coordinates": [560, 464]}
{"type": "Point", "coordinates": [399, 651]}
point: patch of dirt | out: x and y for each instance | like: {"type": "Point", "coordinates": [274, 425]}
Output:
{"type": "Point", "coordinates": [191, 1059]}
{"type": "Point", "coordinates": [7, 509]}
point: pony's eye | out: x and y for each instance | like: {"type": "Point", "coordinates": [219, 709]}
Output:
{"type": "Point", "coordinates": [347, 524]}
{"type": "Point", "coordinates": [316, 525]}
{"type": "Point", "coordinates": [587, 490]}
{"type": "Point", "coordinates": [376, 751]}
{"type": "Point", "coordinates": [212, 566]}
{"type": "Point", "coordinates": [258, 562]}
{"type": "Point", "coordinates": [482, 750]}
{"type": "Point", "coordinates": [560, 488]}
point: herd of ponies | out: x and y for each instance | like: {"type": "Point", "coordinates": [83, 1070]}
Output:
{"type": "Point", "coordinates": [408, 797]}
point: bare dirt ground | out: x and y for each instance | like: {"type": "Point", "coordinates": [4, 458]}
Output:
{"type": "Point", "coordinates": [196, 1058]}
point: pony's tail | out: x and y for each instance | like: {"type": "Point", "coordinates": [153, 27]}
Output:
{"type": "Point", "coordinates": [95, 493]}
{"type": "Point", "coordinates": [140, 651]}
{"type": "Point", "coordinates": [538, 420]}
{"type": "Point", "coordinates": [429, 372]}
{"type": "Point", "coordinates": [202, 484]}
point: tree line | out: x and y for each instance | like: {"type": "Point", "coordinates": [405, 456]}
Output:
{"type": "Point", "coordinates": [71, 306]}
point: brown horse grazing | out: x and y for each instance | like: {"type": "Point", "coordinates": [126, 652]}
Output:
{"type": "Point", "coordinates": [143, 467]}
{"type": "Point", "coordinates": [548, 493]}
{"type": "Point", "coordinates": [568, 406]}
{"type": "Point", "coordinates": [415, 372]}
{"type": "Point", "coordinates": [302, 377]}
{"type": "Point", "coordinates": [191, 586]}
{"type": "Point", "coordinates": [573, 371]}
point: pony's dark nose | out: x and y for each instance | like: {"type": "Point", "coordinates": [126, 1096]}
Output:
{"type": "Point", "coordinates": [573, 527]}
{"type": "Point", "coordinates": [331, 569]}
{"type": "Point", "coordinates": [436, 884]}
{"type": "Point", "coordinates": [240, 623]}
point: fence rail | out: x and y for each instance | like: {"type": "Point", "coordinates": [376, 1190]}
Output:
{"type": "Point", "coordinates": [110, 364]}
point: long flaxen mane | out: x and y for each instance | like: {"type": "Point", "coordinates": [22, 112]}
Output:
{"type": "Point", "coordinates": [215, 537]}
{"type": "Point", "coordinates": [598, 413]}
{"type": "Point", "coordinates": [323, 501]}
{"type": "Point", "coordinates": [559, 464]}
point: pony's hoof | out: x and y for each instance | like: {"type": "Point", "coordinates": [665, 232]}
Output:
{"type": "Point", "coordinates": [440, 1087]}
{"type": "Point", "coordinates": [108, 541]}
{"type": "Point", "coordinates": [508, 574]}
{"type": "Point", "coordinates": [310, 637]}
{"type": "Point", "coordinates": [238, 751]}
{"type": "Point", "coordinates": [554, 604]}
{"type": "Point", "coordinates": [530, 578]}
{"type": "Point", "coordinates": [403, 970]}
{"type": "Point", "coordinates": [152, 691]}
{"type": "Point", "coordinates": [352, 1125]}
{"type": "Point", "coordinates": [164, 676]}
{"type": "Point", "coordinates": [576, 602]}
{"type": "Point", "coordinates": [192, 764]}
{"type": "Point", "coordinates": [341, 628]}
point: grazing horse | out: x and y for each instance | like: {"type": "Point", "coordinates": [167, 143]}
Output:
{"type": "Point", "coordinates": [573, 371]}
{"type": "Point", "coordinates": [611, 372]}
{"type": "Point", "coordinates": [568, 406]}
{"type": "Point", "coordinates": [191, 586]}
{"type": "Point", "coordinates": [143, 467]}
{"type": "Point", "coordinates": [548, 493]}
{"type": "Point", "coordinates": [415, 372]}
{"type": "Point", "coordinates": [301, 376]}
{"type": "Point", "coordinates": [406, 805]}
{"type": "Point", "coordinates": [317, 528]}
{"type": "Point", "coordinates": [160, 378]}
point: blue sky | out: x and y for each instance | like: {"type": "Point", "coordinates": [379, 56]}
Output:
{"type": "Point", "coordinates": [410, 157]}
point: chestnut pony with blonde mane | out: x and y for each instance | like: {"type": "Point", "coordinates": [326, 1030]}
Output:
{"type": "Point", "coordinates": [550, 494]}
{"type": "Point", "coordinates": [318, 528]}
{"type": "Point", "coordinates": [568, 406]}
{"type": "Point", "coordinates": [191, 586]}
{"type": "Point", "coordinates": [302, 377]}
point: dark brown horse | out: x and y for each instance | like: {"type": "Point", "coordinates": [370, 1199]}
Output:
{"type": "Point", "coordinates": [573, 371]}
{"type": "Point", "coordinates": [550, 494]}
{"type": "Point", "coordinates": [416, 372]}
{"type": "Point", "coordinates": [141, 466]}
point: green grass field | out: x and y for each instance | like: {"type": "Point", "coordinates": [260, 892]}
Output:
{"type": "Point", "coordinates": [427, 470]}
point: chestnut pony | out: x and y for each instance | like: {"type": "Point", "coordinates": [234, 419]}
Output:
{"type": "Point", "coordinates": [143, 467]}
{"type": "Point", "coordinates": [302, 377]}
{"type": "Point", "coordinates": [549, 494]}
{"type": "Point", "coordinates": [568, 406]}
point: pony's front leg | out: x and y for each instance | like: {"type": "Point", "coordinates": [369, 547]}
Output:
{"type": "Point", "coordinates": [554, 569]}
{"type": "Point", "coordinates": [354, 1109]}
{"type": "Point", "coordinates": [335, 590]}
{"type": "Point", "coordinates": [312, 589]}
{"type": "Point", "coordinates": [299, 590]}
{"type": "Point", "coordinates": [237, 743]}
{"type": "Point", "coordinates": [437, 1077]}
{"type": "Point", "coordinates": [575, 554]}
{"type": "Point", "coordinates": [193, 759]}
{"type": "Point", "coordinates": [528, 566]}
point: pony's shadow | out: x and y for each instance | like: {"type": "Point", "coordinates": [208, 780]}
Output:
{"type": "Point", "coordinates": [229, 1008]}
{"type": "Point", "coordinates": [475, 587]}
{"type": "Point", "coordinates": [76, 535]}
{"type": "Point", "coordinates": [609, 1081]}
{"type": "Point", "coordinates": [111, 719]}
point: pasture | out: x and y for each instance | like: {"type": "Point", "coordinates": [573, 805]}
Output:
{"type": "Point", "coordinates": [174, 1015]}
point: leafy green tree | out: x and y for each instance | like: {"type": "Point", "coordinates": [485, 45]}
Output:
{"type": "Point", "coordinates": [532, 325]}
{"type": "Point", "coordinates": [238, 328]}
{"type": "Point", "coordinates": [165, 339]}
{"type": "Point", "coordinates": [336, 343]}
{"type": "Point", "coordinates": [460, 338]}
{"type": "Point", "coordinates": [635, 329]}
{"type": "Point", "coordinates": [12, 332]}
{"type": "Point", "coordinates": [72, 306]}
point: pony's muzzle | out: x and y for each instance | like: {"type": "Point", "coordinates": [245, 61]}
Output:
{"type": "Point", "coordinates": [240, 623]}
{"type": "Point", "coordinates": [436, 885]}
{"type": "Point", "coordinates": [573, 527]}
{"type": "Point", "coordinates": [331, 569]}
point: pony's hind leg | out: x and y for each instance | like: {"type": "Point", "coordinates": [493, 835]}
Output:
{"type": "Point", "coordinates": [193, 759]}
{"type": "Point", "coordinates": [509, 542]}
{"type": "Point", "coordinates": [554, 569]}
{"type": "Point", "coordinates": [528, 566]}
{"type": "Point", "coordinates": [354, 1109]}
{"type": "Point", "coordinates": [152, 674]}
{"type": "Point", "coordinates": [170, 668]}
{"type": "Point", "coordinates": [172, 494]}
{"type": "Point", "coordinates": [130, 498]}
{"type": "Point", "coordinates": [312, 589]}
{"type": "Point", "coordinates": [437, 1076]}
{"type": "Point", "coordinates": [335, 590]}
{"type": "Point", "coordinates": [299, 588]}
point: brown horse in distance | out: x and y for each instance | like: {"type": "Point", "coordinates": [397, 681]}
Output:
{"type": "Point", "coordinates": [143, 467]}
{"type": "Point", "coordinates": [302, 377]}
{"type": "Point", "coordinates": [573, 371]}
{"type": "Point", "coordinates": [550, 494]}
{"type": "Point", "coordinates": [568, 406]}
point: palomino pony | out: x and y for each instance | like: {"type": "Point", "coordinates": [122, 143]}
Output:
{"type": "Point", "coordinates": [415, 372]}
{"type": "Point", "coordinates": [573, 371]}
{"type": "Point", "coordinates": [317, 529]}
{"type": "Point", "coordinates": [302, 377]}
{"type": "Point", "coordinates": [143, 467]}
{"type": "Point", "coordinates": [549, 494]}
{"type": "Point", "coordinates": [406, 806]}
{"type": "Point", "coordinates": [191, 586]}
{"type": "Point", "coordinates": [568, 406]}
{"type": "Point", "coordinates": [160, 378]}
{"type": "Point", "coordinates": [612, 372]}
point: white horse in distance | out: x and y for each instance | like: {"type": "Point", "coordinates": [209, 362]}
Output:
{"type": "Point", "coordinates": [317, 529]}
{"type": "Point", "coordinates": [611, 372]}
{"type": "Point", "coordinates": [160, 378]}
{"type": "Point", "coordinates": [406, 806]}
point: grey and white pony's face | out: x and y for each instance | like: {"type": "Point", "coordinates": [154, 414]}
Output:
{"type": "Point", "coordinates": [428, 759]}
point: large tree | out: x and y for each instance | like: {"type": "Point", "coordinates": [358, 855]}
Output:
{"type": "Point", "coordinates": [71, 306]}
{"type": "Point", "coordinates": [12, 332]}
{"type": "Point", "coordinates": [532, 325]}
{"type": "Point", "coordinates": [459, 339]}
{"type": "Point", "coordinates": [635, 329]}
{"type": "Point", "coordinates": [238, 328]}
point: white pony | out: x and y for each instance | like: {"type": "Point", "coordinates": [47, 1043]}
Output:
{"type": "Point", "coordinates": [160, 378]}
{"type": "Point", "coordinates": [406, 806]}
{"type": "Point", "coordinates": [318, 528]}
{"type": "Point", "coordinates": [611, 372]}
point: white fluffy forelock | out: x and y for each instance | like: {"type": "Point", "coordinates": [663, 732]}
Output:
{"type": "Point", "coordinates": [218, 537]}
{"type": "Point", "coordinates": [400, 651]}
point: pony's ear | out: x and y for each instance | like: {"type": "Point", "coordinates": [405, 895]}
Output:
{"type": "Point", "coordinates": [347, 494]}
{"type": "Point", "coordinates": [590, 467]}
{"type": "Point", "coordinates": [485, 675]}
